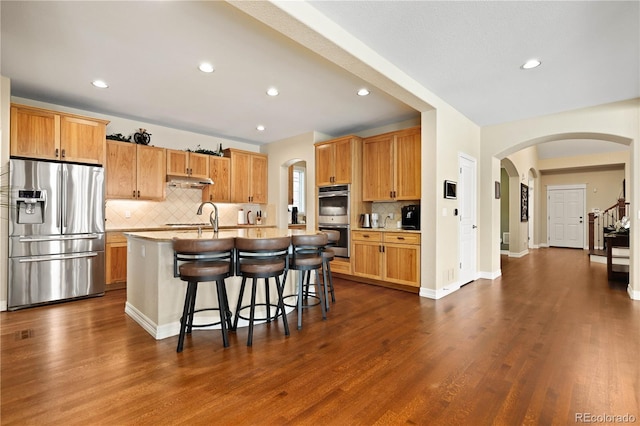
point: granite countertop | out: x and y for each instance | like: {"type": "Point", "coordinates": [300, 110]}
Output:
{"type": "Point", "coordinates": [187, 227]}
{"type": "Point", "coordinates": [257, 233]}
{"type": "Point", "coordinates": [411, 231]}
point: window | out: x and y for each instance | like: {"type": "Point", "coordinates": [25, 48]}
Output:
{"type": "Point", "coordinates": [298, 188]}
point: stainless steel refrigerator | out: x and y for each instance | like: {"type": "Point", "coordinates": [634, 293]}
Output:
{"type": "Point", "coordinates": [56, 232]}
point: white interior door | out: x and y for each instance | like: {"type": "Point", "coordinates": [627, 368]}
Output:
{"type": "Point", "coordinates": [565, 219]}
{"type": "Point", "coordinates": [468, 218]}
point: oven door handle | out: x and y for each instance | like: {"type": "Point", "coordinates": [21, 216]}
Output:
{"type": "Point", "coordinates": [345, 226]}
{"type": "Point", "coordinates": [333, 194]}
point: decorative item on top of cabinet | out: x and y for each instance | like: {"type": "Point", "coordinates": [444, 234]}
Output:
{"type": "Point", "coordinates": [116, 260]}
{"type": "Point", "coordinates": [333, 161]}
{"type": "Point", "coordinates": [187, 164]}
{"type": "Point", "coordinates": [387, 256]}
{"type": "Point", "coordinates": [220, 174]}
{"type": "Point", "coordinates": [135, 172]}
{"type": "Point", "coordinates": [391, 166]}
{"type": "Point", "coordinates": [53, 135]}
{"type": "Point", "coordinates": [248, 176]}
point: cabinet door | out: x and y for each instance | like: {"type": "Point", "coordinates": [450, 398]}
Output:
{"type": "Point", "coordinates": [377, 168]}
{"type": "Point", "coordinates": [177, 163]}
{"type": "Point", "coordinates": [199, 165]}
{"type": "Point", "coordinates": [151, 173]}
{"type": "Point", "coordinates": [82, 140]}
{"type": "Point", "coordinates": [342, 161]}
{"type": "Point", "coordinates": [366, 259]}
{"type": "Point", "coordinates": [402, 264]}
{"type": "Point", "coordinates": [120, 169]}
{"type": "Point", "coordinates": [219, 172]}
{"type": "Point", "coordinates": [35, 134]}
{"type": "Point", "coordinates": [324, 164]}
{"type": "Point", "coordinates": [259, 171]}
{"type": "Point", "coordinates": [240, 174]}
{"type": "Point", "coordinates": [407, 165]}
{"type": "Point", "coordinates": [116, 259]}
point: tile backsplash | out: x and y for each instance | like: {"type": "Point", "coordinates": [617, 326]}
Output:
{"type": "Point", "coordinates": [180, 206]}
{"type": "Point", "coordinates": [383, 209]}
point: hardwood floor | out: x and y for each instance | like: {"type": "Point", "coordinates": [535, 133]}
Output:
{"type": "Point", "coordinates": [548, 341]}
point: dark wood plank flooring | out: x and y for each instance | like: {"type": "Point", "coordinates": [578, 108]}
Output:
{"type": "Point", "coordinates": [548, 341]}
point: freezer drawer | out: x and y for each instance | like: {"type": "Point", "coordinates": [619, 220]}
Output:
{"type": "Point", "coordinates": [23, 246]}
{"type": "Point", "coordinates": [42, 279]}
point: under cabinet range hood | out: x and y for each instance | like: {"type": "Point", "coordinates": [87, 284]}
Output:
{"type": "Point", "coordinates": [188, 181]}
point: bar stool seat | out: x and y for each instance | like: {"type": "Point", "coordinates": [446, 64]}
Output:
{"type": "Point", "coordinates": [307, 257]}
{"type": "Point", "coordinates": [261, 258]}
{"type": "Point", "coordinates": [203, 260]}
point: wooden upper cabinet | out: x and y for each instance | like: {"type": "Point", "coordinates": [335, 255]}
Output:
{"type": "Point", "coordinates": [377, 168]}
{"type": "Point", "coordinates": [82, 140]}
{"type": "Point", "coordinates": [220, 174]}
{"type": "Point", "coordinates": [248, 176]}
{"type": "Point", "coordinates": [333, 161]}
{"type": "Point", "coordinates": [52, 135]}
{"type": "Point", "coordinates": [151, 173]}
{"type": "Point", "coordinates": [408, 165]}
{"type": "Point", "coordinates": [184, 163]}
{"type": "Point", "coordinates": [391, 166]}
{"type": "Point", "coordinates": [135, 172]}
{"type": "Point", "coordinates": [120, 169]}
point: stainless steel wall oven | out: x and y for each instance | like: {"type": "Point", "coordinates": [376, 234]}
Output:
{"type": "Point", "coordinates": [334, 213]}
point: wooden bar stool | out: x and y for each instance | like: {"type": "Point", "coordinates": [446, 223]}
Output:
{"type": "Point", "coordinates": [262, 258]}
{"type": "Point", "coordinates": [203, 260]}
{"type": "Point", "coordinates": [307, 257]}
{"type": "Point", "coordinates": [327, 256]}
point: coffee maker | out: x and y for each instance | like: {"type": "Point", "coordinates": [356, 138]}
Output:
{"type": "Point", "coordinates": [411, 217]}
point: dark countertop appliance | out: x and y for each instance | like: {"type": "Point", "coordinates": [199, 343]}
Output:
{"type": "Point", "coordinates": [411, 217]}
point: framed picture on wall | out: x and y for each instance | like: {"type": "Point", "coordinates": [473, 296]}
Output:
{"type": "Point", "coordinates": [524, 203]}
{"type": "Point", "coordinates": [450, 189]}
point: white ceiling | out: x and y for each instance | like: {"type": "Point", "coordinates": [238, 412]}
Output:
{"type": "Point", "coordinates": [467, 53]}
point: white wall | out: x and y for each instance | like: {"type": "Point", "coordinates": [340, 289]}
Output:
{"type": "Point", "coordinates": [5, 92]}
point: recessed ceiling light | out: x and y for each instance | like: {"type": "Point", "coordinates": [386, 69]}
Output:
{"type": "Point", "coordinates": [206, 67]}
{"type": "Point", "coordinates": [531, 63]}
{"type": "Point", "coordinates": [260, 128]}
{"type": "Point", "coordinates": [100, 84]}
{"type": "Point", "coordinates": [272, 91]}
{"type": "Point", "coordinates": [363, 92]}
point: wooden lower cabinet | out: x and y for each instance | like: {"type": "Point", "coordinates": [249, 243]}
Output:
{"type": "Point", "coordinates": [116, 260]}
{"type": "Point", "coordinates": [392, 257]}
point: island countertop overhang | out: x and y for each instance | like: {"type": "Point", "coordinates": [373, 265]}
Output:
{"type": "Point", "coordinates": [256, 233]}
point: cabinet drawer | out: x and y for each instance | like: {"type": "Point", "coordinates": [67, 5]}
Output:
{"type": "Point", "coordinates": [116, 237]}
{"type": "Point", "coordinates": [366, 236]}
{"type": "Point", "coordinates": [401, 238]}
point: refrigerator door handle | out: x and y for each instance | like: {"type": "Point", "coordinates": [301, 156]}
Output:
{"type": "Point", "coordinates": [65, 183]}
{"type": "Point", "coordinates": [57, 257]}
{"type": "Point", "coordinates": [58, 238]}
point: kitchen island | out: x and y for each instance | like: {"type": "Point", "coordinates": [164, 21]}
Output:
{"type": "Point", "coordinates": [155, 297]}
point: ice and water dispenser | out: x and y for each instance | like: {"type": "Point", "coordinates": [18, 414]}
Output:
{"type": "Point", "coordinates": [30, 205]}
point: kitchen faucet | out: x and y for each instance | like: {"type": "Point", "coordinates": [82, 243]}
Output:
{"type": "Point", "coordinates": [213, 217]}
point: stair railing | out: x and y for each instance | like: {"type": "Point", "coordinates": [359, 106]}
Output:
{"type": "Point", "coordinates": [603, 222]}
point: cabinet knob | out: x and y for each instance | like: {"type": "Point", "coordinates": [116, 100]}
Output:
{"type": "Point", "coordinates": [138, 194]}
{"type": "Point", "coordinates": [56, 152]}
{"type": "Point", "coordinates": [134, 193]}
{"type": "Point", "coordinates": [63, 153]}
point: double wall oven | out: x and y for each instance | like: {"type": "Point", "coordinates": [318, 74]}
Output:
{"type": "Point", "coordinates": [334, 214]}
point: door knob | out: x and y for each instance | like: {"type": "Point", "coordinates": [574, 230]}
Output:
{"type": "Point", "coordinates": [474, 226]}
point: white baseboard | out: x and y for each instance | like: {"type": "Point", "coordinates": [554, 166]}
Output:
{"type": "Point", "coordinates": [598, 259]}
{"type": "Point", "coordinates": [3, 305]}
{"type": "Point", "coordinates": [543, 245]}
{"type": "Point", "coordinates": [504, 252]}
{"type": "Point", "coordinates": [521, 254]}
{"type": "Point", "coordinates": [490, 275]}
{"type": "Point", "coordinates": [633, 294]}
{"type": "Point", "coordinates": [440, 293]}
